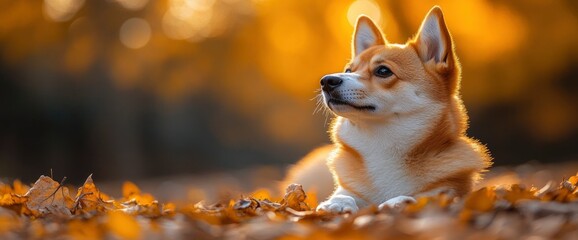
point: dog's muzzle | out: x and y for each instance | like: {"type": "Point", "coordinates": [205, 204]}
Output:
{"type": "Point", "coordinates": [330, 83]}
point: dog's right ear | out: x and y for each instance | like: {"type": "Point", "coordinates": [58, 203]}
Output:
{"type": "Point", "coordinates": [366, 35]}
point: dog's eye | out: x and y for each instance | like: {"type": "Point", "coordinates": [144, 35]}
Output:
{"type": "Point", "coordinates": [348, 70]}
{"type": "Point", "coordinates": [383, 71]}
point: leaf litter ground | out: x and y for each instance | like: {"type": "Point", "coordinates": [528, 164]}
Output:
{"type": "Point", "coordinates": [49, 209]}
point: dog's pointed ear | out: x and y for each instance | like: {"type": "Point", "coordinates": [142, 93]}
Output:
{"type": "Point", "coordinates": [366, 35]}
{"type": "Point", "coordinates": [433, 41]}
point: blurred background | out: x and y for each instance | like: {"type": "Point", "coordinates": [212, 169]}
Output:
{"type": "Point", "coordinates": [133, 89]}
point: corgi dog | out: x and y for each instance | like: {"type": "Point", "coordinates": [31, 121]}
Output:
{"type": "Point", "coordinates": [400, 124]}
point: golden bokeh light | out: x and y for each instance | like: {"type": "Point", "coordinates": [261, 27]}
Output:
{"type": "Point", "coordinates": [262, 59]}
{"type": "Point", "coordinates": [365, 7]}
{"type": "Point", "coordinates": [201, 5]}
{"type": "Point", "coordinates": [338, 23]}
{"type": "Point", "coordinates": [192, 20]}
{"type": "Point", "coordinates": [61, 10]}
{"type": "Point", "coordinates": [185, 9]}
{"type": "Point", "coordinates": [494, 28]}
{"type": "Point", "coordinates": [133, 4]}
{"type": "Point", "coordinates": [135, 33]}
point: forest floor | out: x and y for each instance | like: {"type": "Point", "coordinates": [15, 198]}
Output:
{"type": "Point", "coordinates": [529, 201]}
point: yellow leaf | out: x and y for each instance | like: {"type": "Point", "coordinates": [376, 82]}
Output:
{"type": "Point", "coordinates": [418, 206]}
{"type": "Point", "coordinates": [261, 193]}
{"type": "Point", "coordinates": [123, 225]}
{"type": "Point", "coordinates": [311, 200]}
{"type": "Point", "coordinates": [129, 190]}
{"type": "Point", "coordinates": [84, 229]}
{"type": "Point", "coordinates": [517, 192]}
{"type": "Point", "coordinates": [481, 200]}
{"type": "Point", "coordinates": [19, 188]}
{"type": "Point", "coordinates": [88, 196]}
{"type": "Point", "coordinates": [169, 209]}
{"type": "Point", "coordinates": [36, 230]}
{"type": "Point", "coordinates": [10, 199]}
{"type": "Point", "coordinates": [8, 223]}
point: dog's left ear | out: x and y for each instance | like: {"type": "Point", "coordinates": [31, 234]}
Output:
{"type": "Point", "coordinates": [434, 42]}
{"type": "Point", "coordinates": [366, 35]}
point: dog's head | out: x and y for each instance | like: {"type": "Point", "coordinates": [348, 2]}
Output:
{"type": "Point", "coordinates": [384, 80]}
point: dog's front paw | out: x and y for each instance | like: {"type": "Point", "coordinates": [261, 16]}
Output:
{"type": "Point", "coordinates": [397, 202]}
{"type": "Point", "coordinates": [338, 204]}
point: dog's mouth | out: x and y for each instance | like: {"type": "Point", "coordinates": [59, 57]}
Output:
{"type": "Point", "coordinates": [357, 107]}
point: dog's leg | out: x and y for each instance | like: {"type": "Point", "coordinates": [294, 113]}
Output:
{"type": "Point", "coordinates": [397, 202]}
{"type": "Point", "coordinates": [400, 201]}
{"type": "Point", "coordinates": [341, 201]}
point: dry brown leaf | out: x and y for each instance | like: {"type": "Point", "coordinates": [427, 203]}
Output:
{"type": "Point", "coordinates": [87, 197]}
{"type": "Point", "coordinates": [295, 198]}
{"type": "Point", "coordinates": [48, 196]}
{"type": "Point", "coordinates": [546, 213]}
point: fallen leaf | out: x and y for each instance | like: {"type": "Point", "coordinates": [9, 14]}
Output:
{"type": "Point", "coordinates": [48, 196]}
{"type": "Point", "coordinates": [84, 229]}
{"type": "Point", "coordinates": [88, 197]}
{"type": "Point", "coordinates": [123, 225]}
{"type": "Point", "coordinates": [518, 192]}
{"type": "Point", "coordinates": [19, 188]}
{"type": "Point", "coordinates": [131, 192]}
{"type": "Point", "coordinates": [10, 199]}
{"type": "Point", "coordinates": [481, 200]}
{"type": "Point", "coordinates": [417, 206]}
{"type": "Point", "coordinates": [8, 223]}
{"type": "Point", "coordinates": [295, 198]}
{"type": "Point", "coordinates": [43, 212]}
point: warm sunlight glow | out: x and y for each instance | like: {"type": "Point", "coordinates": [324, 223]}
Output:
{"type": "Point", "coordinates": [338, 23]}
{"type": "Point", "coordinates": [133, 4]}
{"type": "Point", "coordinates": [135, 33]}
{"type": "Point", "coordinates": [188, 19]}
{"type": "Point", "coordinates": [503, 28]}
{"type": "Point", "coordinates": [263, 60]}
{"type": "Point", "coordinates": [61, 10]}
{"type": "Point", "coordinates": [200, 4]}
{"type": "Point", "coordinates": [288, 33]}
{"type": "Point", "coordinates": [366, 7]}
{"type": "Point", "coordinates": [495, 29]}
{"type": "Point", "coordinates": [188, 8]}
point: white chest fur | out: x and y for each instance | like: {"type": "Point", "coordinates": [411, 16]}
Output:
{"type": "Point", "coordinates": [384, 147]}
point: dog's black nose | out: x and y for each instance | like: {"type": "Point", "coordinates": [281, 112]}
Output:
{"type": "Point", "coordinates": [328, 83]}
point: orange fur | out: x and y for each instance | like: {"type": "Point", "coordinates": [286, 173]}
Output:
{"type": "Point", "coordinates": [424, 149]}
{"type": "Point", "coordinates": [460, 182]}
{"type": "Point", "coordinates": [312, 172]}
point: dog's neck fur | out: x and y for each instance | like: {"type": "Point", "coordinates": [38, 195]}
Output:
{"type": "Point", "coordinates": [384, 147]}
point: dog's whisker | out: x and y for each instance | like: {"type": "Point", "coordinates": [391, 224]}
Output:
{"type": "Point", "coordinates": [317, 108]}
{"type": "Point", "coordinates": [319, 104]}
